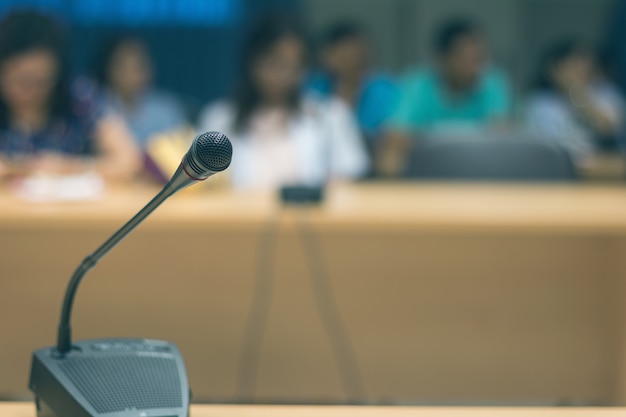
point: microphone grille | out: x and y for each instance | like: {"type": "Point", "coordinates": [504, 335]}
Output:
{"type": "Point", "coordinates": [213, 150]}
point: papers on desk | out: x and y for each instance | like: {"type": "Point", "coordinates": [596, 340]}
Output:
{"type": "Point", "coordinates": [47, 188]}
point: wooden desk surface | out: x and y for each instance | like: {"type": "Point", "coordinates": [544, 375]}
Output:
{"type": "Point", "coordinates": [450, 293]}
{"type": "Point", "coordinates": [531, 208]}
{"type": "Point", "coordinates": [28, 410]}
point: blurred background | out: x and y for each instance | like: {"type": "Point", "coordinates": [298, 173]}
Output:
{"type": "Point", "coordinates": [405, 69]}
{"type": "Point", "coordinates": [464, 161]}
{"type": "Point", "coordinates": [211, 32]}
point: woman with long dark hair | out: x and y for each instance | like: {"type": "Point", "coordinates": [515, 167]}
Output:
{"type": "Point", "coordinates": [48, 124]}
{"type": "Point", "coordinates": [572, 103]}
{"type": "Point", "coordinates": [279, 136]}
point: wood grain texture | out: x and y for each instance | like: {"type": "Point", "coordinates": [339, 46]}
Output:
{"type": "Point", "coordinates": [450, 294]}
{"type": "Point", "coordinates": [541, 209]}
{"type": "Point", "coordinates": [28, 410]}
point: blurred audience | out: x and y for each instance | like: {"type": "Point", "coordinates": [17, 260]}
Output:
{"type": "Point", "coordinates": [461, 95]}
{"type": "Point", "coordinates": [281, 137]}
{"type": "Point", "coordinates": [288, 128]}
{"type": "Point", "coordinates": [47, 123]}
{"type": "Point", "coordinates": [347, 73]}
{"type": "Point", "coordinates": [572, 103]}
{"type": "Point", "coordinates": [125, 71]}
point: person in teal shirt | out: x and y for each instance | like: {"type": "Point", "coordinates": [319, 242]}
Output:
{"type": "Point", "coordinates": [428, 106]}
{"type": "Point", "coordinates": [460, 96]}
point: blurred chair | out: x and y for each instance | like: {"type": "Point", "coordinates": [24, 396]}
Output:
{"type": "Point", "coordinates": [491, 160]}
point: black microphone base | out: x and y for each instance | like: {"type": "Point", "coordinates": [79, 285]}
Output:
{"type": "Point", "coordinates": [111, 378]}
{"type": "Point", "coordinates": [43, 409]}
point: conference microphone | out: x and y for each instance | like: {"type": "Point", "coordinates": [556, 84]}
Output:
{"type": "Point", "coordinates": [122, 377]}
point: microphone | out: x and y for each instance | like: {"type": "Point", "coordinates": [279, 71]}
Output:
{"type": "Point", "coordinates": [209, 154]}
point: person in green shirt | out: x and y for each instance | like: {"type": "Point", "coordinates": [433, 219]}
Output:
{"type": "Point", "coordinates": [462, 95]}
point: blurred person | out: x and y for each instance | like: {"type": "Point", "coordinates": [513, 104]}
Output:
{"type": "Point", "coordinates": [281, 137]}
{"type": "Point", "coordinates": [47, 124]}
{"type": "Point", "coordinates": [348, 74]}
{"type": "Point", "coordinates": [572, 103]}
{"type": "Point", "coordinates": [125, 71]}
{"type": "Point", "coordinates": [461, 95]}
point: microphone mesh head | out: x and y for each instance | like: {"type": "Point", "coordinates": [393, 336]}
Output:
{"type": "Point", "coordinates": [213, 150]}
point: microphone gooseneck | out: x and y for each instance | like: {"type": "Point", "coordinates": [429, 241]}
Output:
{"type": "Point", "coordinates": [209, 154]}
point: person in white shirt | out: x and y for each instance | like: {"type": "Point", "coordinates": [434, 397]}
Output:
{"type": "Point", "coordinates": [280, 137]}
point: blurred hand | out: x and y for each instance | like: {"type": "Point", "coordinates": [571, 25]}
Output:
{"type": "Point", "coordinates": [392, 156]}
{"type": "Point", "coordinates": [119, 157]}
{"type": "Point", "coordinates": [56, 164]}
{"type": "Point", "coordinates": [4, 169]}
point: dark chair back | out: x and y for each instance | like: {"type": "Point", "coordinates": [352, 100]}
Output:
{"type": "Point", "coordinates": [491, 160]}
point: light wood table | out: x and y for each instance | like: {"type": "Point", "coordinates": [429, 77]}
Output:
{"type": "Point", "coordinates": [28, 410]}
{"type": "Point", "coordinates": [450, 294]}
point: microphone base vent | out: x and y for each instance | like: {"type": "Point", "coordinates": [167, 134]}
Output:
{"type": "Point", "coordinates": [111, 378]}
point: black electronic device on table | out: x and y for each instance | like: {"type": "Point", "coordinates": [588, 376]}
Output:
{"type": "Point", "coordinates": [302, 195]}
{"type": "Point", "coordinates": [122, 377]}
